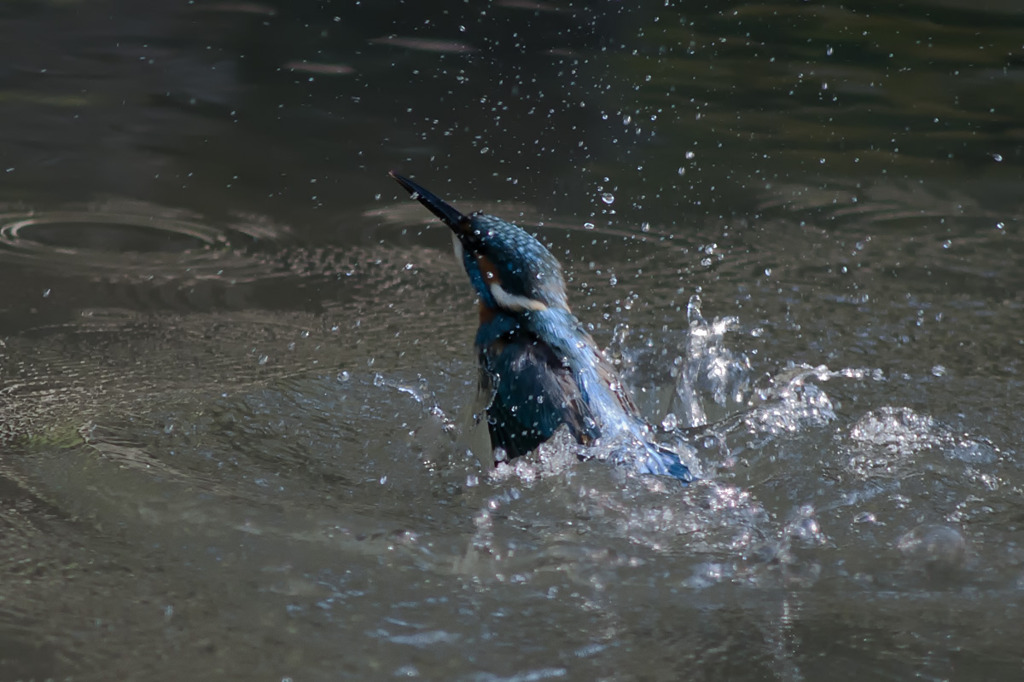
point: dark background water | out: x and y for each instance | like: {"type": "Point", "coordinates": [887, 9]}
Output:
{"type": "Point", "coordinates": [234, 359]}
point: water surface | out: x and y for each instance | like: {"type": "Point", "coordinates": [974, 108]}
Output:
{"type": "Point", "coordinates": [235, 361]}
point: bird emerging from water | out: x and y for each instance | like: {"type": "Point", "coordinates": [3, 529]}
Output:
{"type": "Point", "coordinates": [539, 368]}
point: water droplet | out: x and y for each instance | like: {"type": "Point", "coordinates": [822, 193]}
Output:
{"type": "Point", "coordinates": [938, 371]}
{"type": "Point", "coordinates": [263, 360]}
{"type": "Point", "coordinates": [998, 158]}
{"type": "Point", "coordinates": [608, 198]}
{"type": "Point", "coordinates": [588, 226]}
{"type": "Point", "coordinates": [865, 517]}
{"type": "Point", "coordinates": [690, 155]}
{"type": "Point", "coordinates": [670, 422]}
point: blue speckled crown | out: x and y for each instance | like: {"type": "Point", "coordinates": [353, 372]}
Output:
{"type": "Point", "coordinates": [525, 266]}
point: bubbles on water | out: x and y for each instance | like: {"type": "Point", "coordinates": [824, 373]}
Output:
{"type": "Point", "coordinates": [890, 441]}
{"type": "Point", "coordinates": [899, 430]}
{"type": "Point", "coordinates": [804, 529]}
{"type": "Point", "coordinates": [554, 457]}
{"type": "Point", "coordinates": [790, 403]}
{"type": "Point", "coordinates": [934, 547]}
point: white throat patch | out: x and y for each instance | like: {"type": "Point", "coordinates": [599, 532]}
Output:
{"type": "Point", "coordinates": [513, 302]}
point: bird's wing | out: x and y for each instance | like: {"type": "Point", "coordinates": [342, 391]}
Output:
{"type": "Point", "coordinates": [597, 379]}
{"type": "Point", "coordinates": [608, 375]}
{"type": "Point", "coordinates": [533, 393]}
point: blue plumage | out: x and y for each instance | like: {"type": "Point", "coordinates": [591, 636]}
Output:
{"type": "Point", "coordinates": [539, 367]}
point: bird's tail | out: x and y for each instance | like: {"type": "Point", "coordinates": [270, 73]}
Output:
{"type": "Point", "coordinates": [649, 457]}
{"type": "Point", "coordinates": [661, 460]}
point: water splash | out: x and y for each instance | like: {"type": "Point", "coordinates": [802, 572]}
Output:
{"type": "Point", "coordinates": [707, 368]}
{"type": "Point", "coordinates": [890, 441]}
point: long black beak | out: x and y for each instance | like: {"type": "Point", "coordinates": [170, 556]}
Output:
{"type": "Point", "coordinates": [434, 204]}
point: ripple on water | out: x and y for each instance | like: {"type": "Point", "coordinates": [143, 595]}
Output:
{"type": "Point", "coordinates": [132, 242]}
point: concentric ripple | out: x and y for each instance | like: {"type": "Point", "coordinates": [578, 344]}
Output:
{"type": "Point", "coordinates": [75, 232]}
{"type": "Point", "coordinates": [142, 242]}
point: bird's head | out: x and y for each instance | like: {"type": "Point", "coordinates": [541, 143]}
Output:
{"type": "Point", "coordinates": [511, 270]}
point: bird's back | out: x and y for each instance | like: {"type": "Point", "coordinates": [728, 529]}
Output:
{"type": "Point", "coordinates": [545, 370]}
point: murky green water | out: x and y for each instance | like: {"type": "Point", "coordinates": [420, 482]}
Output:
{"type": "Point", "coordinates": [235, 360]}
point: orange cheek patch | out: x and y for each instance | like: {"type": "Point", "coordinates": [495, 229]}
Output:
{"type": "Point", "coordinates": [488, 269]}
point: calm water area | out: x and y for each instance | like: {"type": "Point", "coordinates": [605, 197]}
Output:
{"type": "Point", "coordinates": [236, 363]}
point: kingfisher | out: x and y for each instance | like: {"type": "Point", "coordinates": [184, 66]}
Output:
{"type": "Point", "coordinates": [539, 368]}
